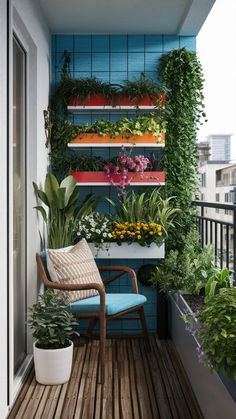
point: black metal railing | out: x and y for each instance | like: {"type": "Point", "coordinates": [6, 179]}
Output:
{"type": "Point", "coordinates": [217, 231]}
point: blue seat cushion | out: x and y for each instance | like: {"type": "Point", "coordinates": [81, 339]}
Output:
{"type": "Point", "coordinates": [115, 303]}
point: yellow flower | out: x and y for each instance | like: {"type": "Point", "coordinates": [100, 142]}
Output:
{"type": "Point", "coordinates": [151, 233]}
{"type": "Point", "coordinates": [121, 236]}
{"type": "Point", "coordinates": [118, 232]}
{"type": "Point", "coordinates": [160, 233]}
{"type": "Point", "coordinates": [132, 234]}
{"type": "Point", "coordinates": [139, 237]}
{"type": "Point", "coordinates": [145, 228]}
{"type": "Point", "coordinates": [137, 232]}
{"type": "Point", "coordinates": [114, 236]}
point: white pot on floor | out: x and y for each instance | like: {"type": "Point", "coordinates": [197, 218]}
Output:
{"type": "Point", "coordinates": [53, 366]}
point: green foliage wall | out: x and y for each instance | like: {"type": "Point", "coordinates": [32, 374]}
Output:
{"type": "Point", "coordinates": [181, 74]}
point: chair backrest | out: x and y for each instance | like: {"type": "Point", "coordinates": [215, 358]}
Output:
{"type": "Point", "coordinates": [41, 259]}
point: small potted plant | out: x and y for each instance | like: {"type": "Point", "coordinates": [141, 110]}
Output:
{"type": "Point", "coordinates": [52, 326]}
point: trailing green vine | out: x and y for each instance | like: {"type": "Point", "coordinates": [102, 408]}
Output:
{"type": "Point", "coordinates": [181, 74]}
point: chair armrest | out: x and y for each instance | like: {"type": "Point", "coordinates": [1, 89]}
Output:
{"type": "Point", "coordinates": [122, 270]}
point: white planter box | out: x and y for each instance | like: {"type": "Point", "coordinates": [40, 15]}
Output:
{"type": "Point", "coordinates": [212, 395]}
{"type": "Point", "coordinates": [128, 251]}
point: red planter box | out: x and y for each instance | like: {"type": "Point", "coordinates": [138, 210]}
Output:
{"type": "Point", "coordinates": [157, 178]}
{"type": "Point", "coordinates": [100, 100]}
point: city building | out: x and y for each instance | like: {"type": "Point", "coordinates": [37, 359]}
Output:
{"type": "Point", "coordinates": [220, 146]}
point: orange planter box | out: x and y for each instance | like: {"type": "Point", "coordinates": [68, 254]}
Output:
{"type": "Point", "coordinates": [90, 138]}
{"type": "Point", "coordinates": [157, 178]}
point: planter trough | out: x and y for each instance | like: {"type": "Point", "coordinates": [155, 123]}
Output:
{"type": "Point", "coordinates": [96, 140]}
{"type": "Point", "coordinates": [216, 395]}
{"type": "Point", "coordinates": [100, 178]}
{"type": "Point", "coordinates": [128, 251]}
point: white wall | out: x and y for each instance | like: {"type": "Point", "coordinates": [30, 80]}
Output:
{"type": "Point", "coordinates": [29, 25]}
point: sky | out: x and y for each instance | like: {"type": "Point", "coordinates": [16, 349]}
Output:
{"type": "Point", "coordinates": [216, 49]}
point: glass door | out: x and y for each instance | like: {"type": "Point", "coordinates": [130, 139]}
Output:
{"type": "Point", "coordinates": [19, 203]}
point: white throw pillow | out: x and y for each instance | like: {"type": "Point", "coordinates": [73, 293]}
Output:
{"type": "Point", "coordinates": [76, 266]}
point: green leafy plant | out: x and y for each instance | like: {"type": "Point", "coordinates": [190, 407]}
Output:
{"type": "Point", "coordinates": [145, 207]}
{"type": "Point", "coordinates": [144, 87]}
{"type": "Point", "coordinates": [220, 278]}
{"type": "Point", "coordinates": [51, 322]}
{"type": "Point", "coordinates": [63, 209]}
{"type": "Point", "coordinates": [217, 333]}
{"type": "Point", "coordinates": [151, 123]}
{"type": "Point", "coordinates": [181, 74]}
{"type": "Point", "coordinates": [186, 268]}
{"type": "Point", "coordinates": [82, 90]}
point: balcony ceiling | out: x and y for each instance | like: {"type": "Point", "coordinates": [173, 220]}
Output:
{"type": "Point", "coordinates": [169, 17]}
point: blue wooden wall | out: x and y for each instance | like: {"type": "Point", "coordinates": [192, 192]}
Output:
{"type": "Point", "coordinates": [115, 58]}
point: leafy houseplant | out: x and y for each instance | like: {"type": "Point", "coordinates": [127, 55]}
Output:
{"type": "Point", "coordinates": [144, 87]}
{"type": "Point", "coordinates": [63, 209]}
{"type": "Point", "coordinates": [52, 326]}
{"type": "Point", "coordinates": [185, 269]}
{"type": "Point", "coordinates": [51, 322]}
{"type": "Point", "coordinates": [147, 207]}
{"type": "Point", "coordinates": [218, 332]}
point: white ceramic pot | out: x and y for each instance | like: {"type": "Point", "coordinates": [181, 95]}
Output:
{"type": "Point", "coordinates": [53, 366]}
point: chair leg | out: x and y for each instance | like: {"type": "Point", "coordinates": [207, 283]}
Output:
{"type": "Point", "coordinates": [102, 347]}
{"type": "Point", "coordinates": [144, 326]}
{"type": "Point", "coordinates": [91, 326]}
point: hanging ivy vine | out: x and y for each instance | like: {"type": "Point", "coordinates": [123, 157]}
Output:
{"type": "Point", "coordinates": [181, 74]}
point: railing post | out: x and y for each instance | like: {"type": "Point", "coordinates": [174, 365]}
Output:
{"type": "Point", "coordinates": [202, 227]}
{"type": "Point", "coordinates": [234, 242]}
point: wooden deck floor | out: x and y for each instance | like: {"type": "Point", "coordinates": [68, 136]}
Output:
{"type": "Point", "coordinates": [140, 384]}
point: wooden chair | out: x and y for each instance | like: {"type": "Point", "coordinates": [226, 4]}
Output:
{"type": "Point", "coordinates": [104, 307]}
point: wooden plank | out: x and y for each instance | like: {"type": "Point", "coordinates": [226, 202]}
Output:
{"type": "Point", "coordinates": [150, 387]}
{"type": "Point", "coordinates": [116, 391]}
{"type": "Point", "coordinates": [20, 400]}
{"type": "Point", "coordinates": [138, 385]}
{"type": "Point", "coordinates": [164, 380]}
{"type": "Point", "coordinates": [34, 401]}
{"type": "Point", "coordinates": [133, 383]}
{"type": "Point", "coordinates": [107, 396]}
{"type": "Point", "coordinates": [189, 395]}
{"type": "Point", "coordinates": [180, 404]}
{"type": "Point", "coordinates": [24, 404]}
{"type": "Point", "coordinates": [90, 387]}
{"type": "Point", "coordinates": [72, 392]}
{"type": "Point", "coordinates": [143, 397]}
{"type": "Point", "coordinates": [158, 385]}
{"type": "Point", "coordinates": [41, 406]}
{"type": "Point", "coordinates": [51, 403]}
{"type": "Point", "coordinates": [80, 398]}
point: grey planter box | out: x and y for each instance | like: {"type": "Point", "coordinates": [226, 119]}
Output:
{"type": "Point", "coordinates": [214, 396]}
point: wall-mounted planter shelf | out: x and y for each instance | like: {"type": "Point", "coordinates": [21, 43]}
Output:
{"type": "Point", "coordinates": [96, 140]}
{"type": "Point", "coordinates": [100, 103]}
{"type": "Point", "coordinates": [128, 251]}
{"type": "Point", "coordinates": [100, 178]}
